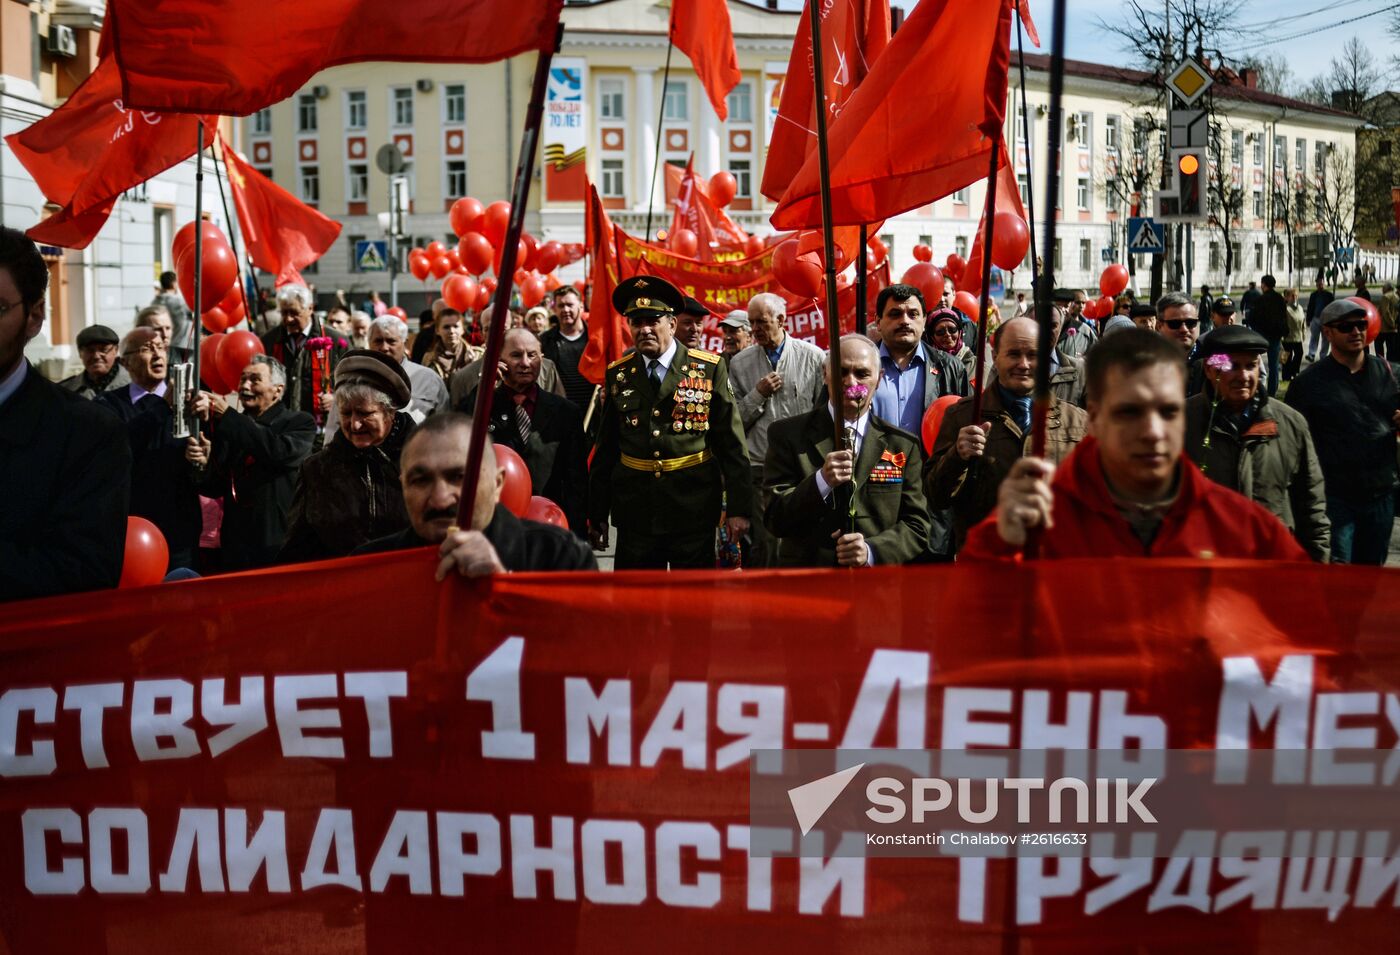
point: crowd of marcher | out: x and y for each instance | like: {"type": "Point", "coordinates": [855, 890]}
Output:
{"type": "Point", "coordinates": [1165, 435]}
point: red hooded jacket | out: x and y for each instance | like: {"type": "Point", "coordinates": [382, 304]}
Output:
{"type": "Point", "coordinates": [1207, 520]}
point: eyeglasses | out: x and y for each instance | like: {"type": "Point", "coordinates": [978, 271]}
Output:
{"type": "Point", "coordinates": [150, 348]}
{"type": "Point", "coordinates": [1348, 327]}
{"type": "Point", "coordinates": [1175, 323]}
{"type": "Point", "coordinates": [944, 331]}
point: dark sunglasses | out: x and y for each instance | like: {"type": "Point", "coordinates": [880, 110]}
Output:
{"type": "Point", "coordinates": [1176, 323]}
{"type": "Point", "coordinates": [1357, 326]}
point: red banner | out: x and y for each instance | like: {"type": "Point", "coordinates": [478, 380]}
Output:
{"type": "Point", "coordinates": [559, 763]}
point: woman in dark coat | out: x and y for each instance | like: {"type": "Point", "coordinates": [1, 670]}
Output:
{"type": "Point", "coordinates": [349, 493]}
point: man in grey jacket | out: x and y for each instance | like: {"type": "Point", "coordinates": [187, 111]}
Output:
{"type": "Point", "coordinates": [1241, 438]}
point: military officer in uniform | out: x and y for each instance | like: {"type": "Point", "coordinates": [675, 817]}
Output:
{"type": "Point", "coordinates": [670, 443]}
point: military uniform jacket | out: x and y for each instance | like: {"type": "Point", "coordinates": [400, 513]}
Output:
{"type": "Point", "coordinates": [693, 414]}
{"type": "Point", "coordinates": [890, 509]}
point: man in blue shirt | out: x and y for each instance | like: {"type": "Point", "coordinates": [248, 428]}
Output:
{"type": "Point", "coordinates": [913, 375]}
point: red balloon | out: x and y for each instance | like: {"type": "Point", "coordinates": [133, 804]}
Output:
{"type": "Point", "coordinates": [933, 419]}
{"type": "Point", "coordinates": [483, 295]}
{"type": "Point", "coordinates": [522, 252]}
{"type": "Point", "coordinates": [532, 291]}
{"type": "Point", "coordinates": [1090, 309]}
{"type": "Point", "coordinates": [1373, 317]}
{"type": "Point", "coordinates": [926, 277]}
{"type": "Point", "coordinates": [877, 245]}
{"type": "Point", "coordinates": [145, 556]}
{"type": "Point", "coordinates": [1113, 280]}
{"type": "Point", "coordinates": [489, 284]}
{"type": "Point", "coordinates": [549, 256]}
{"type": "Point", "coordinates": [233, 301]}
{"type": "Point", "coordinates": [454, 259]}
{"type": "Point", "coordinates": [435, 249]}
{"type": "Point", "coordinates": [545, 511]}
{"type": "Point", "coordinates": [466, 216]}
{"type": "Point", "coordinates": [396, 310]}
{"type": "Point", "coordinates": [754, 246]}
{"type": "Point", "coordinates": [216, 320]}
{"type": "Point", "coordinates": [801, 275]}
{"type": "Point", "coordinates": [209, 371]}
{"type": "Point", "coordinates": [220, 274]}
{"type": "Point", "coordinates": [517, 490]}
{"type": "Point", "coordinates": [954, 267]}
{"type": "Point", "coordinates": [966, 303]}
{"type": "Point", "coordinates": [1011, 239]}
{"type": "Point", "coordinates": [518, 279]}
{"type": "Point", "coordinates": [184, 239]}
{"type": "Point", "coordinates": [459, 291]}
{"type": "Point", "coordinates": [722, 188]}
{"type": "Point", "coordinates": [495, 222]}
{"type": "Point", "coordinates": [581, 285]}
{"type": "Point", "coordinates": [923, 253]}
{"type": "Point", "coordinates": [575, 252]}
{"type": "Point", "coordinates": [236, 316]}
{"type": "Point", "coordinates": [686, 243]}
{"type": "Point", "coordinates": [1106, 307]}
{"type": "Point", "coordinates": [419, 265]}
{"type": "Point", "coordinates": [235, 352]}
{"type": "Point", "coordinates": [475, 252]}
{"type": "Point", "coordinates": [552, 282]}
{"type": "Point", "coordinates": [527, 260]}
{"type": "Point", "coordinates": [440, 266]}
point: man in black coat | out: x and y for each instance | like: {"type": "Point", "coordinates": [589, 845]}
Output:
{"type": "Point", "coordinates": [256, 456]}
{"type": "Point", "coordinates": [307, 350]}
{"type": "Point", "coordinates": [65, 468]}
{"type": "Point", "coordinates": [163, 478]}
{"type": "Point", "coordinates": [433, 463]}
{"type": "Point", "coordinates": [1269, 317]}
{"type": "Point", "coordinates": [543, 428]}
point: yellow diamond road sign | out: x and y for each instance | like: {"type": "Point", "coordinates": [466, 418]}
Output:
{"type": "Point", "coordinates": [1189, 81]}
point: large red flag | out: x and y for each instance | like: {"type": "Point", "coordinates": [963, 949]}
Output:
{"type": "Point", "coordinates": [687, 214]}
{"type": "Point", "coordinates": [700, 29]}
{"type": "Point", "coordinates": [237, 56]}
{"type": "Point", "coordinates": [691, 195]}
{"type": "Point", "coordinates": [283, 233]}
{"type": "Point", "coordinates": [1008, 199]}
{"type": "Point", "coordinates": [90, 150]}
{"type": "Point", "coordinates": [921, 125]}
{"type": "Point", "coordinates": [608, 335]}
{"type": "Point", "coordinates": [854, 33]}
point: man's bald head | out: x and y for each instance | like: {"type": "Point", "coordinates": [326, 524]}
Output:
{"type": "Point", "coordinates": [1014, 351]}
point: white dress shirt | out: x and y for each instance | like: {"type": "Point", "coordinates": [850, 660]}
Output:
{"type": "Point", "coordinates": [664, 361]}
{"type": "Point", "coordinates": [135, 392]}
{"type": "Point", "coordinates": [860, 425]}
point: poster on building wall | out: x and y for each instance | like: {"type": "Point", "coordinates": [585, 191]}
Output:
{"type": "Point", "coordinates": [773, 74]}
{"type": "Point", "coordinates": [565, 137]}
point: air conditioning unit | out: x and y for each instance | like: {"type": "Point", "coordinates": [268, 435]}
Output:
{"type": "Point", "coordinates": [62, 41]}
{"type": "Point", "coordinates": [320, 92]}
{"type": "Point", "coordinates": [425, 86]}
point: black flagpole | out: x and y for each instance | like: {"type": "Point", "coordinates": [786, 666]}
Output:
{"type": "Point", "coordinates": [660, 122]}
{"type": "Point", "coordinates": [500, 305]}
{"type": "Point", "coordinates": [233, 241]}
{"type": "Point", "coordinates": [989, 216]}
{"type": "Point", "coordinates": [861, 279]}
{"type": "Point", "coordinates": [833, 315]}
{"type": "Point", "coordinates": [197, 319]}
{"type": "Point", "coordinates": [1026, 137]}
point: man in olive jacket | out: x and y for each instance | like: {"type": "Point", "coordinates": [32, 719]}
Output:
{"type": "Point", "coordinates": [857, 506]}
{"type": "Point", "coordinates": [971, 458]}
{"type": "Point", "coordinates": [1253, 444]}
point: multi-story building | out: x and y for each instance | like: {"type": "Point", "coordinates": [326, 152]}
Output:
{"type": "Point", "coordinates": [46, 50]}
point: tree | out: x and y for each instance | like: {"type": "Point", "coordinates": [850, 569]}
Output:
{"type": "Point", "coordinates": [1334, 197]}
{"type": "Point", "coordinates": [1315, 91]}
{"type": "Point", "coordinates": [1224, 193]}
{"type": "Point", "coordinates": [1289, 201]}
{"type": "Point", "coordinates": [1275, 75]}
{"type": "Point", "coordinates": [1355, 74]}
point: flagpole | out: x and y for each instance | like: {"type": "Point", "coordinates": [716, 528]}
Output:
{"type": "Point", "coordinates": [989, 216]}
{"type": "Point", "coordinates": [660, 121]}
{"type": "Point", "coordinates": [833, 316]}
{"type": "Point", "coordinates": [500, 305]}
{"type": "Point", "coordinates": [228, 217]}
{"type": "Point", "coordinates": [197, 319]}
{"type": "Point", "coordinates": [860, 279]}
{"type": "Point", "coordinates": [1040, 409]}
{"type": "Point", "coordinates": [1026, 136]}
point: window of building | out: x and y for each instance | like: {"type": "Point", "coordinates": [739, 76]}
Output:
{"type": "Point", "coordinates": [1258, 255]}
{"type": "Point", "coordinates": [456, 178]}
{"type": "Point", "coordinates": [960, 197]}
{"type": "Point", "coordinates": [262, 122]}
{"type": "Point", "coordinates": [1111, 133]}
{"type": "Point", "coordinates": [1320, 158]}
{"type": "Point", "coordinates": [1020, 123]}
{"type": "Point", "coordinates": [1258, 203]}
{"type": "Point", "coordinates": [310, 184]}
{"type": "Point", "coordinates": [1383, 147]}
{"type": "Point", "coordinates": [1086, 255]}
{"type": "Point", "coordinates": [676, 107]}
{"type": "Point", "coordinates": [926, 240]}
{"type": "Point", "coordinates": [1081, 196]}
{"type": "Point", "coordinates": [1214, 255]}
{"type": "Point", "coordinates": [1300, 155]}
{"type": "Point", "coordinates": [1024, 184]}
{"type": "Point", "coordinates": [1280, 151]}
{"type": "Point", "coordinates": [1111, 200]}
{"type": "Point", "coordinates": [1236, 259]}
{"type": "Point", "coordinates": [352, 241]}
{"type": "Point", "coordinates": [1058, 264]}
{"type": "Point", "coordinates": [613, 179]}
{"type": "Point", "coordinates": [402, 112]}
{"type": "Point", "coordinates": [454, 103]}
{"type": "Point", "coordinates": [742, 171]}
{"type": "Point", "coordinates": [960, 245]}
{"type": "Point", "coordinates": [265, 171]}
{"type": "Point", "coordinates": [306, 113]}
{"type": "Point", "coordinates": [741, 103]}
{"type": "Point", "coordinates": [1082, 128]}
{"type": "Point", "coordinates": [1258, 149]}
{"type": "Point", "coordinates": [888, 239]}
{"type": "Point", "coordinates": [610, 98]}
{"type": "Point", "coordinates": [1237, 146]}
{"type": "Point", "coordinates": [357, 183]}
{"type": "Point", "coordinates": [356, 109]}
{"type": "Point", "coordinates": [1300, 205]}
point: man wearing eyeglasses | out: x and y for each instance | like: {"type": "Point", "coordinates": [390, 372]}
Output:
{"type": "Point", "coordinates": [1177, 320]}
{"type": "Point", "coordinates": [64, 465]}
{"type": "Point", "coordinates": [1352, 404]}
{"type": "Point", "coordinates": [97, 347]}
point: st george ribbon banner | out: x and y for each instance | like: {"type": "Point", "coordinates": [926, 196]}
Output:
{"type": "Point", "coordinates": [349, 757]}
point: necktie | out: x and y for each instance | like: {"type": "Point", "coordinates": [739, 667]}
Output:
{"type": "Point", "coordinates": [654, 373]}
{"type": "Point", "coordinates": [522, 419]}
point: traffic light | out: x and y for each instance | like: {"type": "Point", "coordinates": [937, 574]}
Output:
{"type": "Point", "coordinates": [1190, 176]}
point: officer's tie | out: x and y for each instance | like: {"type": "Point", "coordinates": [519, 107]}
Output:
{"type": "Point", "coordinates": [654, 373]}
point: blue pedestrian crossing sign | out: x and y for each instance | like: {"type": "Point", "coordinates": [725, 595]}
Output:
{"type": "Point", "coordinates": [1146, 237]}
{"type": "Point", "coordinates": [371, 255]}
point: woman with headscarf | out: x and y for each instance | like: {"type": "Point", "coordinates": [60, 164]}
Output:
{"type": "Point", "coordinates": [349, 493]}
{"type": "Point", "coordinates": [945, 334]}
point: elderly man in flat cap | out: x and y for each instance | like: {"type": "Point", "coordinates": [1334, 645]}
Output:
{"type": "Point", "coordinates": [737, 331]}
{"type": "Point", "coordinates": [97, 347]}
{"type": "Point", "coordinates": [690, 323]}
{"type": "Point", "coordinates": [670, 444]}
{"type": "Point", "coordinates": [349, 493]}
{"type": "Point", "coordinates": [1239, 437]}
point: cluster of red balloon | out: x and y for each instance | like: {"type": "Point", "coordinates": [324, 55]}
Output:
{"type": "Point", "coordinates": [481, 233]}
{"type": "Point", "coordinates": [799, 261]}
{"type": "Point", "coordinates": [223, 356]}
{"type": "Point", "coordinates": [1112, 281]}
{"type": "Point", "coordinates": [220, 298]}
{"type": "Point", "coordinates": [517, 495]}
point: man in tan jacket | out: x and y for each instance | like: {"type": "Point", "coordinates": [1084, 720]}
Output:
{"type": "Point", "coordinates": [971, 458]}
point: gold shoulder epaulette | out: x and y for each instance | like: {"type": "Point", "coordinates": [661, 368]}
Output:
{"type": "Point", "coordinates": [708, 356]}
{"type": "Point", "coordinates": [621, 361]}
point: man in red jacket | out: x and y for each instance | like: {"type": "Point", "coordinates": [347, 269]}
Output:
{"type": "Point", "coordinates": [1127, 490]}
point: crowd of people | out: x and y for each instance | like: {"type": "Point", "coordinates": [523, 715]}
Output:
{"type": "Point", "coordinates": [1165, 435]}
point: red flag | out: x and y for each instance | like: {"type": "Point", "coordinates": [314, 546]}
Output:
{"type": "Point", "coordinates": [854, 33]}
{"type": "Point", "coordinates": [1008, 199]}
{"type": "Point", "coordinates": [283, 234]}
{"type": "Point", "coordinates": [687, 213]}
{"type": "Point", "coordinates": [689, 188]}
{"type": "Point", "coordinates": [700, 29]}
{"type": "Point", "coordinates": [212, 55]}
{"type": "Point", "coordinates": [90, 150]}
{"type": "Point", "coordinates": [608, 335]}
{"type": "Point", "coordinates": [1023, 8]}
{"type": "Point", "coordinates": [885, 156]}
